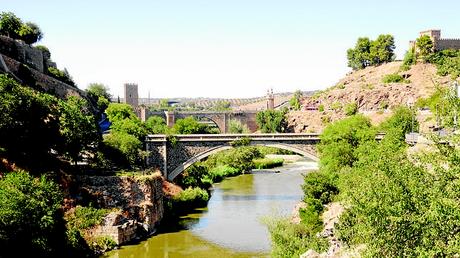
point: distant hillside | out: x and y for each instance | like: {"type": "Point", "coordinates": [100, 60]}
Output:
{"type": "Point", "coordinates": [367, 89]}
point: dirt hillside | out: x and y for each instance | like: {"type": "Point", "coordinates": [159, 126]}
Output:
{"type": "Point", "coordinates": [365, 88]}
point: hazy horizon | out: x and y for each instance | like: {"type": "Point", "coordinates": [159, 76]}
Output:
{"type": "Point", "coordinates": [217, 49]}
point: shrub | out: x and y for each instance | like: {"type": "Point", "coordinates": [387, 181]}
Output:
{"type": "Point", "coordinates": [63, 76]}
{"type": "Point", "coordinates": [351, 109]}
{"type": "Point", "coordinates": [126, 144]}
{"type": "Point", "coordinates": [244, 141]}
{"type": "Point", "coordinates": [240, 158]}
{"type": "Point", "coordinates": [393, 78]}
{"type": "Point", "coordinates": [191, 197]}
{"type": "Point", "coordinates": [271, 121]}
{"type": "Point", "coordinates": [30, 216]}
{"type": "Point", "coordinates": [190, 125]}
{"type": "Point", "coordinates": [195, 176]}
{"type": "Point", "coordinates": [218, 173]}
{"type": "Point", "coordinates": [321, 108]}
{"type": "Point", "coordinates": [268, 163]}
{"type": "Point", "coordinates": [319, 186]}
{"type": "Point", "coordinates": [235, 126]}
{"type": "Point", "coordinates": [86, 217]}
{"type": "Point", "coordinates": [292, 240]}
{"type": "Point", "coordinates": [336, 106]}
{"type": "Point", "coordinates": [156, 125]}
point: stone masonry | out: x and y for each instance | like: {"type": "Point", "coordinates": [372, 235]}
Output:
{"type": "Point", "coordinates": [174, 154]}
{"type": "Point", "coordinates": [438, 42]}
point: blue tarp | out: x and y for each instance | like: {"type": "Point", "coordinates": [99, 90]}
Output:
{"type": "Point", "coordinates": [104, 124]}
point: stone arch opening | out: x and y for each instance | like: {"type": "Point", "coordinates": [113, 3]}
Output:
{"type": "Point", "coordinates": [179, 169]}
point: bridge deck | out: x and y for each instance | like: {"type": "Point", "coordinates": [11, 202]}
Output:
{"type": "Point", "coordinates": [231, 137]}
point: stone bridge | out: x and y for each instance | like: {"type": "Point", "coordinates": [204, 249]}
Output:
{"type": "Point", "coordinates": [174, 154]}
{"type": "Point", "coordinates": [220, 118]}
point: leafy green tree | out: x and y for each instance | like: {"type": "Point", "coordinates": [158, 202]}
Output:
{"type": "Point", "coordinates": [77, 127]}
{"type": "Point", "coordinates": [295, 100]}
{"type": "Point", "coordinates": [382, 50]}
{"type": "Point", "coordinates": [403, 120]}
{"type": "Point", "coordinates": [63, 76]}
{"type": "Point", "coordinates": [271, 121]}
{"type": "Point", "coordinates": [424, 46]}
{"type": "Point", "coordinates": [340, 140]}
{"type": "Point", "coordinates": [30, 216]}
{"type": "Point", "coordinates": [10, 24]}
{"type": "Point", "coordinates": [156, 125]}
{"type": "Point", "coordinates": [359, 57]}
{"type": "Point", "coordinates": [235, 126]}
{"type": "Point", "coordinates": [190, 125]}
{"type": "Point", "coordinates": [100, 93]}
{"type": "Point", "coordinates": [120, 111]}
{"type": "Point", "coordinates": [371, 52]}
{"type": "Point", "coordinates": [30, 33]}
{"type": "Point", "coordinates": [351, 109]}
{"type": "Point", "coordinates": [28, 122]}
{"type": "Point", "coordinates": [126, 144]}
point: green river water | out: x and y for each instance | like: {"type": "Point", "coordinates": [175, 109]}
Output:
{"type": "Point", "coordinates": [230, 226]}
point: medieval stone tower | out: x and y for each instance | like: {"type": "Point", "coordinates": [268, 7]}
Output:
{"type": "Point", "coordinates": [131, 94]}
{"type": "Point", "coordinates": [438, 42]}
{"type": "Point", "coordinates": [270, 100]}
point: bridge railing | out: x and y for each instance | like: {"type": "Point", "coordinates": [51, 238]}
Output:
{"type": "Point", "coordinates": [231, 137]}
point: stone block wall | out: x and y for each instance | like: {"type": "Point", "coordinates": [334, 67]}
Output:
{"type": "Point", "coordinates": [23, 53]}
{"type": "Point", "coordinates": [139, 200]}
{"type": "Point", "coordinates": [442, 44]}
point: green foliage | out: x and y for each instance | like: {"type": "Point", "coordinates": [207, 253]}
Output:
{"type": "Point", "coordinates": [292, 240]}
{"type": "Point", "coordinates": [240, 158]}
{"type": "Point", "coordinates": [62, 76]}
{"type": "Point", "coordinates": [235, 126]}
{"type": "Point", "coordinates": [336, 106]}
{"type": "Point", "coordinates": [30, 33]}
{"type": "Point", "coordinates": [222, 105]}
{"type": "Point", "coordinates": [10, 25]}
{"type": "Point", "coordinates": [367, 52]}
{"type": "Point", "coordinates": [444, 103]}
{"type": "Point", "coordinates": [123, 143]}
{"type": "Point", "coordinates": [339, 140]}
{"type": "Point", "coordinates": [321, 108]}
{"type": "Point", "coordinates": [319, 186]}
{"type": "Point", "coordinates": [295, 100]}
{"type": "Point", "coordinates": [196, 175]}
{"type": "Point", "coordinates": [244, 141]}
{"type": "Point", "coordinates": [266, 163]}
{"type": "Point", "coordinates": [77, 127]}
{"type": "Point", "coordinates": [217, 174]}
{"type": "Point", "coordinates": [100, 93]}
{"type": "Point", "coordinates": [156, 125]}
{"type": "Point", "coordinates": [393, 78]}
{"type": "Point", "coordinates": [409, 59]}
{"type": "Point", "coordinates": [86, 217]}
{"type": "Point", "coordinates": [30, 215]}
{"type": "Point", "coordinates": [271, 121]}
{"type": "Point", "coordinates": [265, 150]}
{"type": "Point", "coordinates": [403, 119]}
{"type": "Point", "coordinates": [190, 125]}
{"type": "Point", "coordinates": [424, 46]}
{"type": "Point", "coordinates": [118, 111]}
{"type": "Point", "coordinates": [190, 198]}
{"type": "Point", "coordinates": [447, 62]}
{"type": "Point", "coordinates": [351, 109]}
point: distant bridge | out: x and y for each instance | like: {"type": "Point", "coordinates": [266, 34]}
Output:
{"type": "Point", "coordinates": [220, 118]}
{"type": "Point", "coordinates": [188, 149]}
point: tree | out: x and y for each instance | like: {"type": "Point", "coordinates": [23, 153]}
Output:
{"type": "Point", "coordinates": [190, 125]}
{"type": "Point", "coordinates": [382, 49]}
{"type": "Point", "coordinates": [424, 46]}
{"type": "Point", "coordinates": [30, 216]}
{"type": "Point", "coordinates": [222, 105]}
{"type": "Point", "coordinates": [235, 126]}
{"type": "Point", "coordinates": [295, 100]}
{"type": "Point", "coordinates": [156, 125]}
{"type": "Point", "coordinates": [271, 121]}
{"type": "Point", "coordinates": [371, 52]}
{"type": "Point", "coordinates": [10, 24]}
{"type": "Point", "coordinates": [30, 33]}
{"type": "Point", "coordinates": [77, 127]}
{"type": "Point", "coordinates": [100, 93]}
{"type": "Point", "coordinates": [119, 111]}
{"type": "Point", "coordinates": [359, 57]}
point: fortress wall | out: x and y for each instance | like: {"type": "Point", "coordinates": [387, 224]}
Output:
{"type": "Point", "coordinates": [442, 44]}
{"type": "Point", "coordinates": [23, 53]}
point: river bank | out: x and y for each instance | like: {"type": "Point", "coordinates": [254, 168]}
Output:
{"type": "Point", "coordinates": [230, 225]}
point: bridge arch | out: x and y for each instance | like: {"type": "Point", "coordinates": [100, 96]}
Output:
{"type": "Point", "coordinates": [182, 167]}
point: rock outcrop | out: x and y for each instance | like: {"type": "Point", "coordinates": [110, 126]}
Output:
{"type": "Point", "coordinates": [138, 200]}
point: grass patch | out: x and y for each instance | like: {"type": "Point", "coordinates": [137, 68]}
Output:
{"type": "Point", "coordinates": [268, 163]}
{"type": "Point", "coordinates": [86, 217]}
{"type": "Point", "coordinates": [394, 78]}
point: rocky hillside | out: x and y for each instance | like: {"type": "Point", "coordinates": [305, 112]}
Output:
{"type": "Point", "coordinates": [372, 96]}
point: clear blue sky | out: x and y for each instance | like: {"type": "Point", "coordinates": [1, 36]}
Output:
{"type": "Point", "coordinates": [216, 48]}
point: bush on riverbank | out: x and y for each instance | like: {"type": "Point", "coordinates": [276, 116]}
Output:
{"type": "Point", "coordinates": [189, 199]}
{"type": "Point", "coordinates": [292, 240]}
{"type": "Point", "coordinates": [266, 163]}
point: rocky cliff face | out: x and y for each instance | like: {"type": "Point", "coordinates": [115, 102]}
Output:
{"type": "Point", "coordinates": [373, 97]}
{"type": "Point", "coordinates": [138, 199]}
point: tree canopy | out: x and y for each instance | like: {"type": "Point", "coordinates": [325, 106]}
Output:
{"type": "Point", "coordinates": [13, 27]}
{"type": "Point", "coordinates": [371, 52]}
